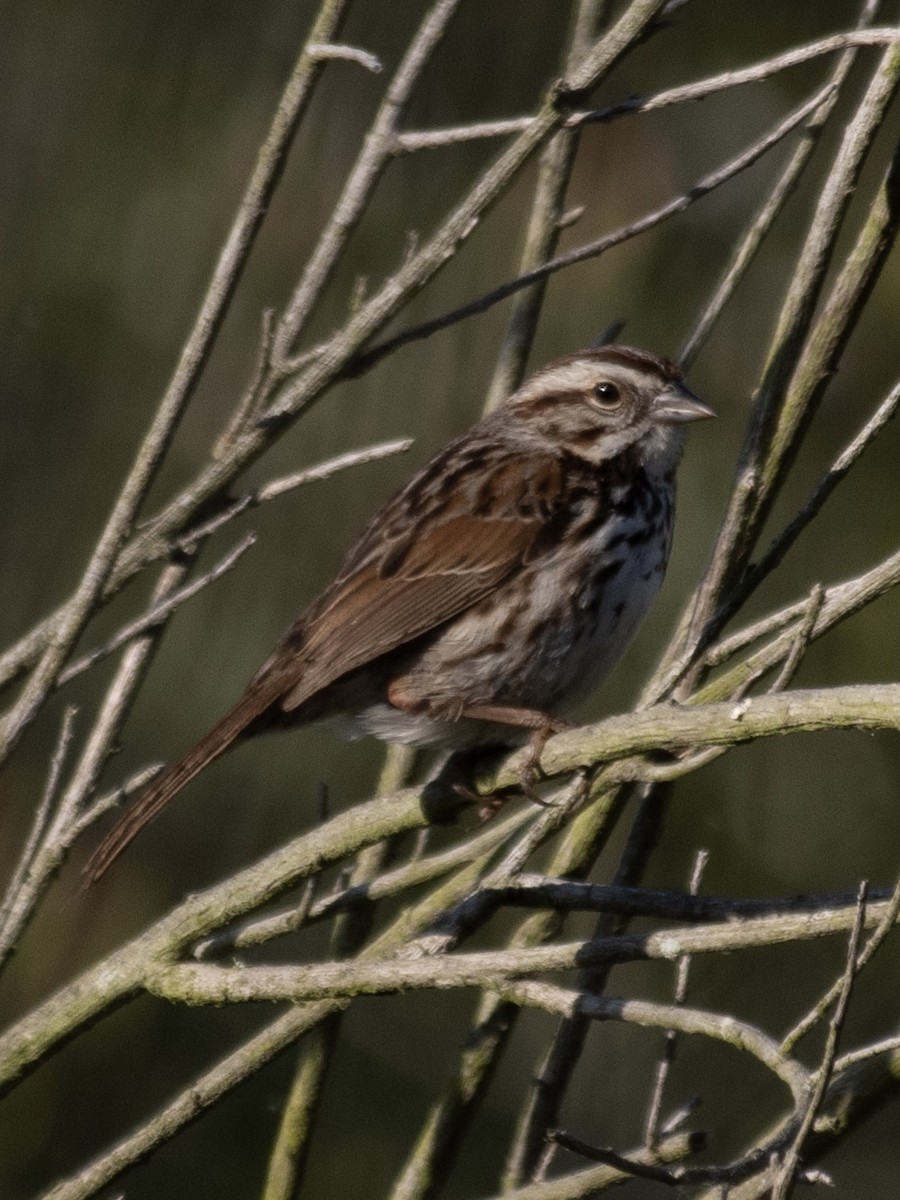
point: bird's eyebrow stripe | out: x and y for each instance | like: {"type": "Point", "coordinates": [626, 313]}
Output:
{"type": "Point", "coordinates": [578, 377]}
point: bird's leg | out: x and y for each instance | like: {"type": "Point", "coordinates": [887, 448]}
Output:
{"type": "Point", "coordinates": [401, 696]}
{"type": "Point", "coordinates": [543, 727]}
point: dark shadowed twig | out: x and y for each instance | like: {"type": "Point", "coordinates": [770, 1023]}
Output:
{"type": "Point", "coordinates": [886, 924]}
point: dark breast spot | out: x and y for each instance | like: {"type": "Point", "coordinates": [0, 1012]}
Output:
{"type": "Point", "coordinates": [608, 571]}
{"type": "Point", "coordinates": [641, 535]}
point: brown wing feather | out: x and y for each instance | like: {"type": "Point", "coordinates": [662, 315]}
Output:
{"type": "Point", "coordinates": [465, 558]}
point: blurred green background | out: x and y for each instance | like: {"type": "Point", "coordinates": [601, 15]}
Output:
{"type": "Point", "coordinates": [126, 134]}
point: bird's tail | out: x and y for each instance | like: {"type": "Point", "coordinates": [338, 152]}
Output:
{"type": "Point", "coordinates": [173, 778]}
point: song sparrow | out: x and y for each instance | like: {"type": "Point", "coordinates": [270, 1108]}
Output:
{"type": "Point", "coordinates": [511, 571]}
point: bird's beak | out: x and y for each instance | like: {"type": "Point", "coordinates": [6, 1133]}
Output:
{"type": "Point", "coordinates": [676, 404]}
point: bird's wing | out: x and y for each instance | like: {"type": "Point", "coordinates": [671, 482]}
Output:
{"type": "Point", "coordinates": [439, 572]}
{"type": "Point", "coordinates": [389, 592]}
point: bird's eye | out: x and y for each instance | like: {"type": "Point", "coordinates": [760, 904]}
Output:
{"type": "Point", "coordinates": [606, 394]}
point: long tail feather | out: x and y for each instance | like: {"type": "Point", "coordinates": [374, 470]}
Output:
{"type": "Point", "coordinates": [172, 779]}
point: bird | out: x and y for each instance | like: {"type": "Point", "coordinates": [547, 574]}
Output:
{"type": "Point", "coordinates": [498, 585]}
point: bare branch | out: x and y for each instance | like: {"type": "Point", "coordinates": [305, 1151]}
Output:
{"type": "Point", "coordinates": [352, 458]}
{"type": "Point", "coordinates": [887, 921]}
{"type": "Point", "coordinates": [759, 227]}
{"type": "Point", "coordinates": [66, 627]}
{"type": "Point", "coordinates": [25, 865]}
{"type": "Point", "coordinates": [370, 165]}
{"type": "Point", "coordinates": [595, 248]}
{"type": "Point", "coordinates": [664, 1067]}
{"type": "Point", "coordinates": [766, 453]}
{"type": "Point", "coordinates": [158, 612]}
{"type": "Point", "coordinates": [433, 139]}
{"type": "Point", "coordinates": [823, 489]}
{"type": "Point", "coordinates": [702, 88]}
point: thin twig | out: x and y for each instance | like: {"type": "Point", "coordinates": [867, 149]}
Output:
{"type": "Point", "coordinates": [801, 641]}
{"type": "Point", "coordinates": [779, 418]}
{"type": "Point", "coordinates": [823, 489]}
{"type": "Point", "coordinates": [36, 833]}
{"type": "Point", "coordinates": [841, 600]}
{"type": "Point", "coordinates": [594, 249]}
{"type": "Point", "coordinates": [787, 1173]}
{"type": "Point", "coordinates": [324, 50]}
{"type": "Point", "coordinates": [105, 803]}
{"type": "Point", "coordinates": [373, 158]}
{"type": "Point", "coordinates": [352, 458]}
{"type": "Point", "coordinates": [626, 1163]}
{"type": "Point", "coordinates": [773, 557]}
{"type": "Point", "coordinates": [545, 220]}
{"type": "Point", "coordinates": [664, 1067]}
{"type": "Point", "coordinates": [885, 926]}
{"type": "Point", "coordinates": [702, 88]}
{"type": "Point", "coordinates": [853, 1058]}
{"type": "Point", "coordinates": [425, 869]}
{"type": "Point", "coordinates": [593, 1181]}
{"type": "Point", "coordinates": [437, 139]}
{"type": "Point", "coordinates": [159, 612]}
{"type": "Point", "coordinates": [64, 828]}
{"type": "Point", "coordinates": [433, 139]}
{"type": "Point", "coordinates": [725, 649]}
{"type": "Point", "coordinates": [726, 1174]}
{"type": "Point", "coordinates": [189, 541]}
{"type": "Point", "coordinates": [763, 220]}
{"type": "Point", "coordinates": [69, 623]}
{"type": "Point", "coordinates": [248, 404]}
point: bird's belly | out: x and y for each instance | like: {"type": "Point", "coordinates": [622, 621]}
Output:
{"type": "Point", "coordinates": [564, 639]}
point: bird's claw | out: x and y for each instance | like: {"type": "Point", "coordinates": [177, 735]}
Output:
{"type": "Point", "coordinates": [531, 771]}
